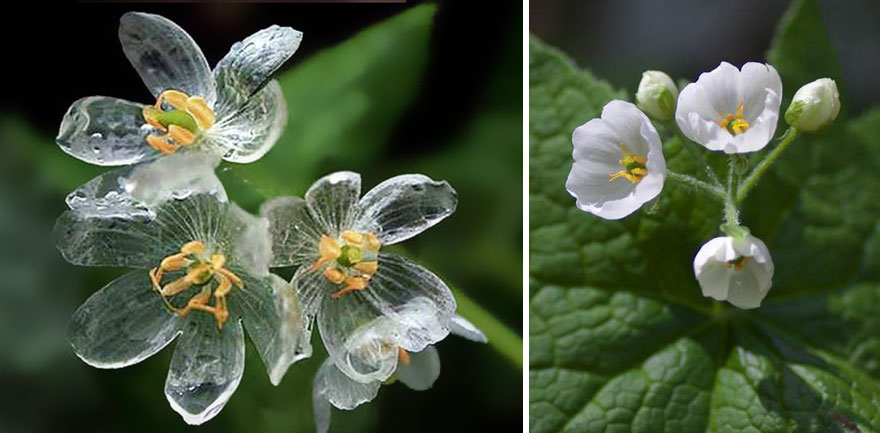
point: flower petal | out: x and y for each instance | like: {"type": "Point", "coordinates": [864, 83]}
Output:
{"type": "Point", "coordinates": [270, 310]}
{"type": "Point", "coordinates": [102, 130]}
{"type": "Point", "coordinates": [463, 328]}
{"type": "Point", "coordinates": [332, 200]}
{"type": "Point", "coordinates": [247, 134]}
{"type": "Point", "coordinates": [122, 324]}
{"type": "Point", "coordinates": [165, 56]}
{"type": "Point", "coordinates": [422, 370]}
{"type": "Point", "coordinates": [294, 232]}
{"type": "Point", "coordinates": [244, 238]}
{"type": "Point", "coordinates": [404, 206]}
{"type": "Point", "coordinates": [250, 64]}
{"type": "Point", "coordinates": [206, 367]}
{"type": "Point", "coordinates": [332, 386]}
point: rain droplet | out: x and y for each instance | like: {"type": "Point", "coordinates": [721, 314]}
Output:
{"type": "Point", "coordinates": [99, 136]}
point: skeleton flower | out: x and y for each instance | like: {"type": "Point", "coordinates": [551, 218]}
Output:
{"type": "Point", "coordinates": [416, 370]}
{"type": "Point", "coordinates": [730, 109]}
{"type": "Point", "coordinates": [368, 304]}
{"type": "Point", "coordinates": [234, 111]}
{"type": "Point", "coordinates": [201, 272]}
{"type": "Point", "coordinates": [618, 162]}
{"type": "Point", "coordinates": [736, 270]}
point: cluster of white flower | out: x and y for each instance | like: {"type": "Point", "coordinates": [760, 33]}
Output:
{"type": "Point", "coordinates": [619, 164]}
{"type": "Point", "coordinates": [202, 264]}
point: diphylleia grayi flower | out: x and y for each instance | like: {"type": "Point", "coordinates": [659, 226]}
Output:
{"type": "Point", "coordinates": [368, 305]}
{"type": "Point", "coordinates": [201, 276]}
{"type": "Point", "coordinates": [235, 111]}
{"type": "Point", "coordinates": [417, 370]}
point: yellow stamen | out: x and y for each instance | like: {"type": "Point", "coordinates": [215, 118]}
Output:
{"type": "Point", "coordinates": [351, 260]}
{"type": "Point", "coordinates": [735, 124]}
{"type": "Point", "coordinates": [198, 108]}
{"type": "Point", "coordinates": [189, 116]}
{"type": "Point", "coordinates": [181, 136]}
{"type": "Point", "coordinates": [634, 166]}
{"type": "Point", "coordinates": [403, 356]}
{"type": "Point", "coordinates": [737, 263]}
{"type": "Point", "coordinates": [352, 237]}
{"type": "Point", "coordinates": [368, 268]}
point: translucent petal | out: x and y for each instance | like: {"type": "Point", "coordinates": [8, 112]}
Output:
{"type": "Point", "coordinates": [332, 386]}
{"type": "Point", "coordinates": [332, 199]}
{"type": "Point", "coordinates": [422, 370]}
{"type": "Point", "coordinates": [404, 206]}
{"type": "Point", "coordinates": [463, 328]}
{"type": "Point", "coordinates": [294, 232]}
{"type": "Point", "coordinates": [244, 238]}
{"type": "Point", "coordinates": [165, 56]}
{"type": "Point", "coordinates": [321, 410]}
{"type": "Point", "coordinates": [128, 241]}
{"type": "Point", "coordinates": [272, 316]}
{"type": "Point", "coordinates": [247, 134]}
{"type": "Point", "coordinates": [251, 63]}
{"type": "Point", "coordinates": [206, 367]}
{"type": "Point", "coordinates": [122, 324]}
{"type": "Point", "coordinates": [105, 131]}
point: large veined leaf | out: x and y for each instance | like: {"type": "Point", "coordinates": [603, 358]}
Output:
{"type": "Point", "coordinates": [621, 339]}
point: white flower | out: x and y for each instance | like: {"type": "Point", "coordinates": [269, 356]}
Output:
{"type": "Point", "coordinates": [416, 370]}
{"type": "Point", "coordinates": [731, 110]}
{"type": "Point", "coordinates": [657, 95]}
{"type": "Point", "coordinates": [618, 162]}
{"type": "Point", "coordinates": [736, 270]}
{"type": "Point", "coordinates": [236, 111]}
{"type": "Point", "coordinates": [201, 273]}
{"type": "Point", "coordinates": [814, 106]}
{"type": "Point", "coordinates": [367, 304]}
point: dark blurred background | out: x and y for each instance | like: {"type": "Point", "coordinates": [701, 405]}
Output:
{"type": "Point", "coordinates": [619, 39]}
{"type": "Point", "coordinates": [374, 88]}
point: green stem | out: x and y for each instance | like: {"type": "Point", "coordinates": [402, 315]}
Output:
{"type": "Point", "coordinates": [765, 164]}
{"type": "Point", "coordinates": [730, 210]}
{"type": "Point", "coordinates": [699, 185]}
{"type": "Point", "coordinates": [502, 338]}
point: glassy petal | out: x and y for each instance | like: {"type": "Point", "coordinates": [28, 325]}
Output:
{"type": "Point", "coordinates": [270, 310]}
{"type": "Point", "coordinates": [247, 134]}
{"type": "Point", "coordinates": [122, 324]}
{"type": "Point", "coordinates": [165, 56]}
{"type": "Point", "coordinates": [206, 367]}
{"type": "Point", "coordinates": [422, 370]}
{"type": "Point", "coordinates": [294, 232]}
{"type": "Point", "coordinates": [245, 238]}
{"type": "Point", "coordinates": [463, 328]}
{"type": "Point", "coordinates": [332, 386]}
{"type": "Point", "coordinates": [250, 64]}
{"type": "Point", "coordinates": [404, 206]}
{"type": "Point", "coordinates": [321, 409]}
{"type": "Point", "coordinates": [102, 130]}
{"type": "Point", "coordinates": [332, 199]}
{"type": "Point", "coordinates": [127, 241]}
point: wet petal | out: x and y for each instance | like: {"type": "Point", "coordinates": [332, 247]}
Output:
{"type": "Point", "coordinates": [245, 240]}
{"type": "Point", "coordinates": [272, 316]}
{"type": "Point", "coordinates": [105, 131]}
{"type": "Point", "coordinates": [165, 56]}
{"type": "Point", "coordinates": [404, 206]}
{"type": "Point", "coordinates": [422, 370]}
{"type": "Point", "coordinates": [250, 64]}
{"type": "Point", "coordinates": [294, 232]}
{"type": "Point", "coordinates": [463, 328]}
{"type": "Point", "coordinates": [332, 386]}
{"type": "Point", "coordinates": [206, 367]}
{"type": "Point", "coordinates": [122, 324]}
{"type": "Point", "coordinates": [332, 199]}
{"type": "Point", "coordinates": [247, 134]}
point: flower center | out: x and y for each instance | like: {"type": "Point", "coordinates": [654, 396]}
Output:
{"type": "Point", "coordinates": [735, 124]}
{"type": "Point", "coordinates": [188, 116]}
{"type": "Point", "coordinates": [201, 270]}
{"type": "Point", "coordinates": [737, 263]}
{"type": "Point", "coordinates": [634, 168]}
{"type": "Point", "coordinates": [349, 261]}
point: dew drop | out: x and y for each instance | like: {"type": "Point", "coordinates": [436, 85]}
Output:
{"type": "Point", "coordinates": [99, 136]}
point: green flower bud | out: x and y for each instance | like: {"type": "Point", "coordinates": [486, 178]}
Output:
{"type": "Point", "coordinates": [657, 95]}
{"type": "Point", "coordinates": [814, 106]}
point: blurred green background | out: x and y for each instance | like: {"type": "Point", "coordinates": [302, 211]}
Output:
{"type": "Point", "coordinates": [433, 88]}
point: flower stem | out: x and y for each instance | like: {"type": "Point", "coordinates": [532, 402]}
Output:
{"type": "Point", "coordinates": [699, 185]}
{"type": "Point", "coordinates": [507, 342]}
{"type": "Point", "coordinates": [765, 164]}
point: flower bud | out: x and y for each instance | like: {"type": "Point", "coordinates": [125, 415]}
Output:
{"type": "Point", "coordinates": [814, 106]}
{"type": "Point", "coordinates": [657, 95]}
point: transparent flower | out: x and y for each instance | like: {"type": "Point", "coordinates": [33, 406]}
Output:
{"type": "Point", "coordinates": [201, 272]}
{"type": "Point", "coordinates": [731, 110]}
{"type": "Point", "coordinates": [736, 270]}
{"type": "Point", "coordinates": [657, 95]}
{"type": "Point", "coordinates": [417, 370]}
{"type": "Point", "coordinates": [234, 111]}
{"type": "Point", "coordinates": [814, 106]}
{"type": "Point", "coordinates": [618, 162]}
{"type": "Point", "coordinates": [357, 294]}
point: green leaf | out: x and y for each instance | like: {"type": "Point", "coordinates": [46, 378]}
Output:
{"type": "Point", "coordinates": [621, 339]}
